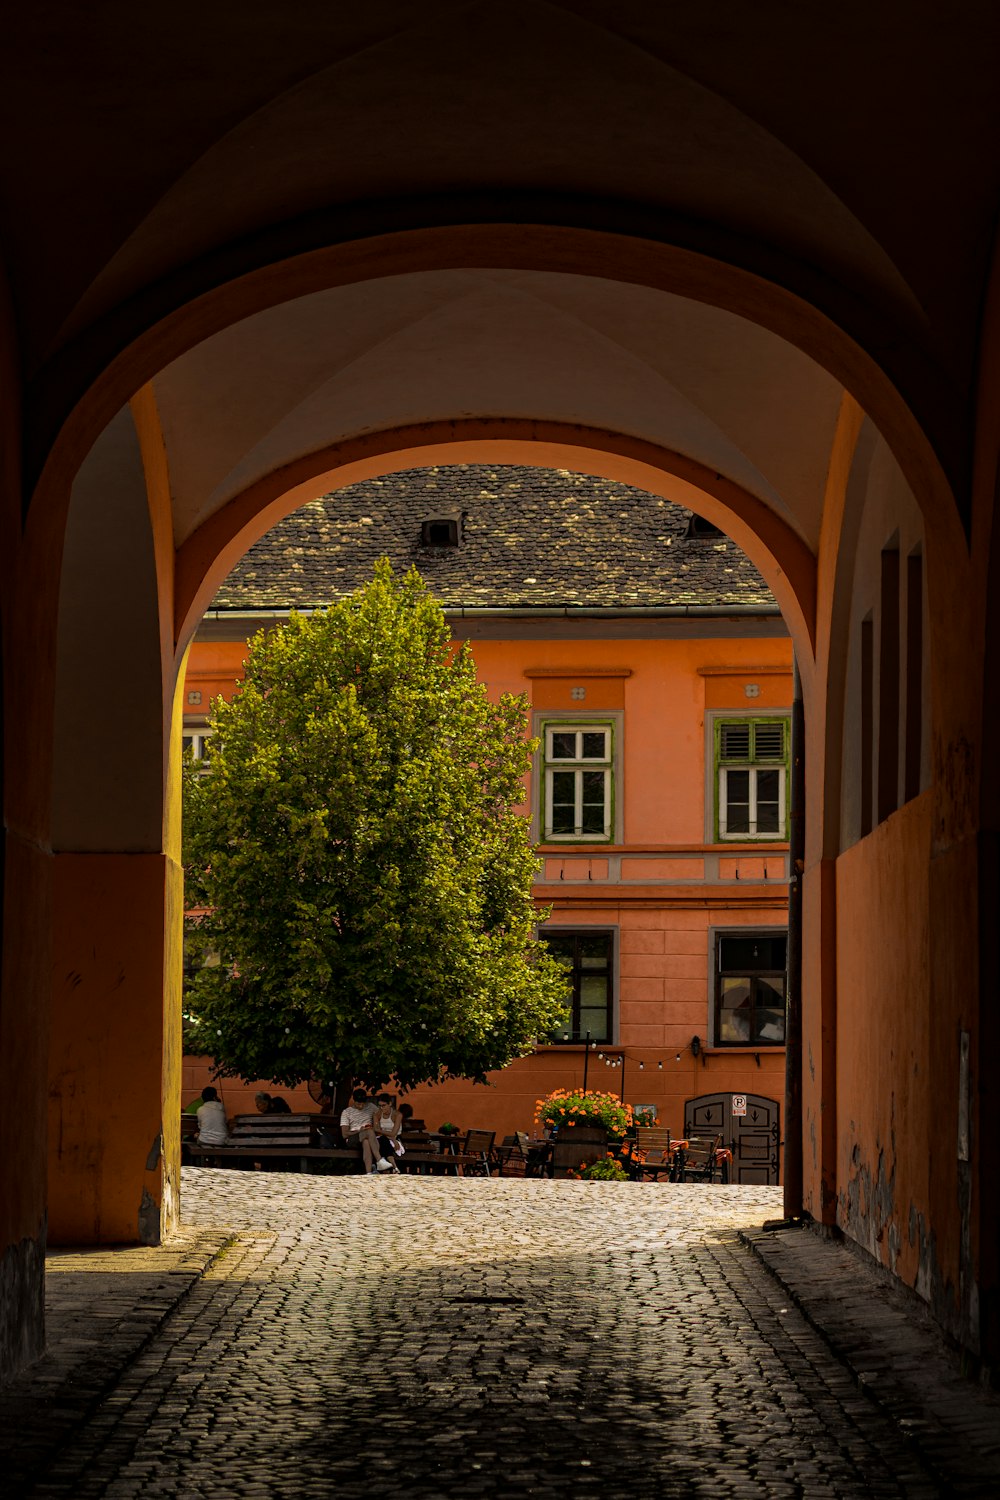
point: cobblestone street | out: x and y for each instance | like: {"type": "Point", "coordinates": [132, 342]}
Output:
{"type": "Point", "coordinates": [429, 1337]}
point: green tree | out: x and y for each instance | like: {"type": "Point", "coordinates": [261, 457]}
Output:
{"type": "Point", "coordinates": [352, 839]}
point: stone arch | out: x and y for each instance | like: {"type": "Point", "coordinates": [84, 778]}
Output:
{"type": "Point", "coordinates": [189, 557]}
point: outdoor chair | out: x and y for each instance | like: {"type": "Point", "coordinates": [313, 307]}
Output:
{"type": "Point", "coordinates": [537, 1159]}
{"type": "Point", "coordinates": [697, 1158]}
{"type": "Point", "coordinates": [652, 1154]}
{"type": "Point", "coordinates": [479, 1144]}
{"type": "Point", "coordinates": [510, 1156]}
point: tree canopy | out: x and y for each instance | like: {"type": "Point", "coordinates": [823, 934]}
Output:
{"type": "Point", "coordinates": [352, 840]}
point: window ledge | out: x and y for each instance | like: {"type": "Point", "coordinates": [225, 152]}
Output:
{"type": "Point", "coordinates": [743, 1050]}
{"type": "Point", "coordinates": [577, 1047]}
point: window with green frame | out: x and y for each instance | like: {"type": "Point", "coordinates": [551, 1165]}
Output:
{"type": "Point", "coordinates": [751, 778]}
{"type": "Point", "coordinates": [577, 781]}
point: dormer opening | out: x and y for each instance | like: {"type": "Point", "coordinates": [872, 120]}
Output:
{"type": "Point", "coordinates": [440, 531]}
{"type": "Point", "coordinates": [699, 529]}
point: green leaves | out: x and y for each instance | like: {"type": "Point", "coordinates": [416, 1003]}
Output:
{"type": "Point", "coordinates": [351, 835]}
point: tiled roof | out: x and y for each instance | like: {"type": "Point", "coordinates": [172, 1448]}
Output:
{"type": "Point", "coordinates": [529, 538]}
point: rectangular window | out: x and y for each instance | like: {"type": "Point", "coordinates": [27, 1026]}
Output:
{"type": "Point", "coordinates": [888, 687]}
{"type": "Point", "coordinates": [750, 989]}
{"type": "Point", "coordinates": [577, 781]}
{"type": "Point", "coordinates": [195, 738]}
{"type": "Point", "coordinates": [751, 757]}
{"type": "Point", "coordinates": [867, 721]}
{"type": "Point", "coordinates": [914, 674]}
{"type": "Point", "coordinates": [588, 957]}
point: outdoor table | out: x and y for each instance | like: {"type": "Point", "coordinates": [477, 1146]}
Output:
{"type": "Point", "coordinates": [447, 1140]}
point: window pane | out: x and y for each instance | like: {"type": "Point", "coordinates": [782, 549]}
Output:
{"type": "Point", "coordinates": [560, 947]}
{"type": "Point", "coordinates": [594, 744]}
{"type": "Point", "coordinates": [737, 801]}
{"type": "Point", "coordinates": [769, 741]}
{"type": "Point", "coordinates": [768, 789]}
{"type": "Point", "coordinates": [735, 993]}
{"type": "Point", "coordinates": [770, 1026]}
{"type": "Point", "coordinates": [563, 787]}
{"type": "Point", "coordinates": [734, 1026]}
{"type": "Point", "coordinates": [755, 952]}
{"type": "Point", "coordinates": [596, 1022]}
{"type": "Point", "coordinates": [735, 741]}
{"type": "Point", "coordinates": [593, 991]}
{"type": "Point", "coordinates": [595, 951]}
{"type": "Point", "coordinates": [593, 786]}
{"type": "Point", "coordinates": [563, 811]}
{"type": "Point", "coordinates": [563, 746]}
{"type": "Point", "coordinates": [771, 993]}
{"type": "Point", "coordinates": [593, 801]}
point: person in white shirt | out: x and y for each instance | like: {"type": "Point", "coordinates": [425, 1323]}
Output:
{"type": "Point", "coordinates": [388, 1126]}
{"type": "Point", "coordinates": [356, 1128]}
{"type": "Point", "coordinates": [213, 1129]}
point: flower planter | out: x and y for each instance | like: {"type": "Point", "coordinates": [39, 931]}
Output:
{"type": "Point", "coordinates": [576, 1145]}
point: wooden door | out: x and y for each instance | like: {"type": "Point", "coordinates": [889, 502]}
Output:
{"type": "Point", "coordinates": [753, 1138]}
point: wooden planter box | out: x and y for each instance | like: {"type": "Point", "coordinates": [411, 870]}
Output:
{"type": "Point", "coordinates": [578, 1145]}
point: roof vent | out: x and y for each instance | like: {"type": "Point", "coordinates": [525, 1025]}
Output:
{"type": "Point", "coordinates": [442, 531]}
{"type": "Point", "coordinates": [698, 527]}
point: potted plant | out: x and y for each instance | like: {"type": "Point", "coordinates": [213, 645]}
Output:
{"type": "Point", "coordinates": [605, 1169]}
{"type": "Point", "coordinates": [448, 1128]}
{"type": "Point", "coordinates": [583, 1124]}
{"type": "Point", "coordinates": [564, 1108]}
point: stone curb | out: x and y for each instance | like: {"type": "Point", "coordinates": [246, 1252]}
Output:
{"type": "Point", "coordinates": [895, 1353]}
{"type": "Point", "coordinates": [103, 1308]}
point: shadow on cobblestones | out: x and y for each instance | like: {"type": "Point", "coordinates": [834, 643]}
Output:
{"type": "Point", "coordinates": [448, 1338]}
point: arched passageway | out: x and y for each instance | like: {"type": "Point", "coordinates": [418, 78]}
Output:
{"type": "Point", "coordinates": [765, 353]}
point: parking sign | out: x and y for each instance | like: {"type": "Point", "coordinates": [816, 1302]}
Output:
{"type": "Point", "coordinates": [739, 1104]}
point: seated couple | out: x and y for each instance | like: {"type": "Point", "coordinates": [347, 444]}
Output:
{"type": "Point", "coordinates": [375, 1126]}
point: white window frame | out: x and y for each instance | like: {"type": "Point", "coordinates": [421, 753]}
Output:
{"type": "Point", "coordinates": [751, 832]}
{"type": "Point", "coordinates": [717, 780]}
{"type": "Point", "coordinates": [551, 721]}
{"type": "Point", "coordinates": [199, 735]}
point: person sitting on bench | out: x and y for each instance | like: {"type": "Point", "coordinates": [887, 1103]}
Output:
{"type": "Point", "coordinates": [388, 1123]}
{"type": "Point", "coordinates": [356, 1128]}
{"type": "Point", "coordinates": [213, 1129]}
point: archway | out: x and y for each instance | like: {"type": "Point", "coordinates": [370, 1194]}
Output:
{"type": "Point", "coordinates": [186, 530]}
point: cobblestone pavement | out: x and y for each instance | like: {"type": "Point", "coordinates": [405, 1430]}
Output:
{"type": "Point", "coordinates": [438, 1338]}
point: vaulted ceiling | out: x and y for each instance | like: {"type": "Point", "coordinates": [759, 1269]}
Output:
{"type": "Point", "coordinates": [837, 158]}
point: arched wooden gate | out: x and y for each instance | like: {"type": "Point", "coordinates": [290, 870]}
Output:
{"type": "Point", "coordinates": [754, 1137]}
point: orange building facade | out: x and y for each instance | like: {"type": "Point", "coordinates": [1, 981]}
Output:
{"type": "Point", "coordinates": [659, 804]}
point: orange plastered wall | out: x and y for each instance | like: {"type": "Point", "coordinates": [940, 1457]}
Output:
{"type": "Point", "coordinates": [887, 1056]}
{"type": "Point", "coordinates": [214, 669]}
{"type": "Point", "coordinates": [664, 697]}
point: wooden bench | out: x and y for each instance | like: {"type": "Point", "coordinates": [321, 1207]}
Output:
{"type": "Point", "coordinates": [259, 1138]}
